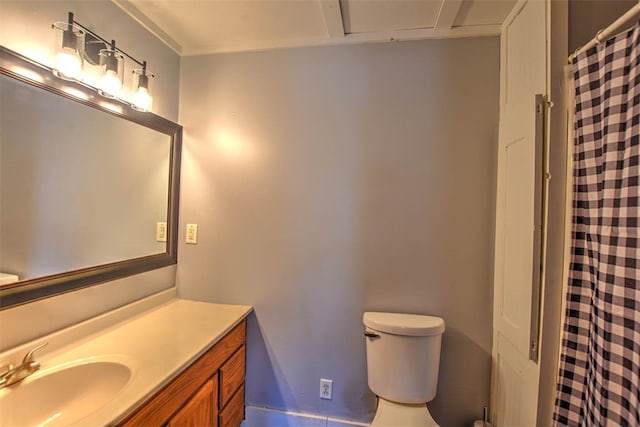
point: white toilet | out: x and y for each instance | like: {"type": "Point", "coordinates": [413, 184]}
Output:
{"type": "Point", "coordinates": [403, 357]}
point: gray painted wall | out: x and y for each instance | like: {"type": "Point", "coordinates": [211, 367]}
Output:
{"type": "Point", "coordinates": [330, 181]}
{"type": "Point", "coordinates": [587, 17]}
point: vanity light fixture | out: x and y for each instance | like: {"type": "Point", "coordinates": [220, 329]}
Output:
{"type": "Point", "coordinates": [69, 49]}
{"type": "Point", "coordinates": [113, 63]}
{"type": "Point", "coordinates": [142, 98]}
{"type": "Point", "coordinates": [76, 44]}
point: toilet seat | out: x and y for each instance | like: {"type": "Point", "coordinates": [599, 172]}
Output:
{"type": "Point", "coordinates": [392, 414]}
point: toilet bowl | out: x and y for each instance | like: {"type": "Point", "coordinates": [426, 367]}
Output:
{"type": "Point", "coordinates": [403, 359]}
{"type": "Point", "coordinates": [392, 414]}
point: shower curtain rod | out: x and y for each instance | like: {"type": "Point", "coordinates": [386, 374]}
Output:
{"type": "Point", "coordinates": [611, 30]}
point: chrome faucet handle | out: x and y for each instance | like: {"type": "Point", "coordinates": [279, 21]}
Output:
{"type": "Point", "coordinates": [15, 374]}
{"type": "Point", "coordinates": [28, 358]}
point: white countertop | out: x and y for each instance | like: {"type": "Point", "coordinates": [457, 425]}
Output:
{"type": "Point", "coordinates": [6, 278]}
{"type": "Point", "coordinates": [156, 345]}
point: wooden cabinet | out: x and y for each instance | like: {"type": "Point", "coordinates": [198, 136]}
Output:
{"type": "Point", "coordinates": [231, 376]}
{"type": "Point", "coordinates": [233, 414]}
{"type": "Point", "coordinates": [201, 409]}
{"type": "Point", "coordinates": [209, 392]}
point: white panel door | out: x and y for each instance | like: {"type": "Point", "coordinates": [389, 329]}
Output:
{"type": "Point", "coordinates": [523, 70]}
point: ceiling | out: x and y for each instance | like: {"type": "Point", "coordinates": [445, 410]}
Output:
{"type": "Point", "coordinates": [198, 27]}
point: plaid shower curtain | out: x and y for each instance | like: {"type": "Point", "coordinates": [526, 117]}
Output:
{"type": "Point", "coordinates": [599, 376]}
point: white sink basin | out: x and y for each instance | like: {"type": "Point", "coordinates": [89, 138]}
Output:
{"type": "Point", "coordinates": [62, 395]}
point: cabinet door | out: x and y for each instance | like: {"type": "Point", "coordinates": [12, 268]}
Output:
{"type": "Point", "coordinates": [201, 410]}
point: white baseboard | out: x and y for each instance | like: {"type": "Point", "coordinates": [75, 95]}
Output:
{"type": "Point", "coordinates": [264, 417]}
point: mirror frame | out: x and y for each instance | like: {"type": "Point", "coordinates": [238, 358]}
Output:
{"type": "Point", "coordinates": [19, 67]}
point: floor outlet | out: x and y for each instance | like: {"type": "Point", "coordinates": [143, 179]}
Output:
{"type": "Point", "coordinates": [326, 389]}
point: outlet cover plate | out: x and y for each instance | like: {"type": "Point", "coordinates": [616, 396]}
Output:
{"type": "Point", "coordinates": [326, 389]}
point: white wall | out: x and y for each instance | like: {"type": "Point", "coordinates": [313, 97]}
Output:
{"type": "Point", "coordinates": [25, 26]}
{"type": "Point", "coordinates": [330, 181]}
{"type": "Point", "coordinates": [554, 262]}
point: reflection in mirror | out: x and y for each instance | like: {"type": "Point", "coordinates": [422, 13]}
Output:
{"type": "Point", "coordinates": [78, 187]}
{"type": "Point", "coordinates": [83, 186]}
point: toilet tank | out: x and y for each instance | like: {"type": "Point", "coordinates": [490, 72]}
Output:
{"type": "Point", "coordinates": [403, 355]}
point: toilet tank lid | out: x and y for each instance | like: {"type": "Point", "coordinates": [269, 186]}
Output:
{"type": "Point", "coordinates": [404, 324]}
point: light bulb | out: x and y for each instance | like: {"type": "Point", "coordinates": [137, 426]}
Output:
{"type": "Point", "coordinates": [111, 84]}
{"type": "Point", "coordinates": [69, 64]}
{"type": "Point", "coordinates": [142, 100]}
{"type": "Point", "coordinates": [111, 81]}
{"type": "Point", "coordinates": [69, 42]}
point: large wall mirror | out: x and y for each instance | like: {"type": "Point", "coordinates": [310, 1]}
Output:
{"type": "Point", "coordinates": [86, 184]}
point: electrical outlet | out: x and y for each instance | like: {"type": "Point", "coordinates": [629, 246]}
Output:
{"type": "Point", "coordinates": [326, 388]}
{"type": "Point", "coordinates": [192, 234]}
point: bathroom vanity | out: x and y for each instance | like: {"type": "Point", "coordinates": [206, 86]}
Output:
{"type": "Point", "coordinates": [159, 361]}
{"type": "Point", "coordinates": [210, 392]}
{"type": "Point", "coordinates": [155, 362]}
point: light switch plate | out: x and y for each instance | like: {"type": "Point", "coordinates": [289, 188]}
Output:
{"type": "Point", "coordinates": [192, 234]}
{"type": "Point", "coordinates": [161, 232]}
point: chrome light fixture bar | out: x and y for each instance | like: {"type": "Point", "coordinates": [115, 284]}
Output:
{"type": "Point", "coordinates": [76, 44]}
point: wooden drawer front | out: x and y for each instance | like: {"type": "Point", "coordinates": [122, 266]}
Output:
{"type": "Point", "coordinates": [233, 414]}
{"type": "Point", "coordinates": [201, 410]}
{"type": "Point", "coordinates": [159, 409]}
{"type": "Point", "coordinates": [232, 375]}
